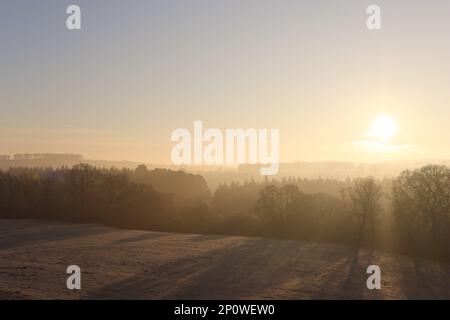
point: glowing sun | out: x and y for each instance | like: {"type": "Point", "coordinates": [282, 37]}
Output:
{"type": "Point", "coordinates": [383, 128]}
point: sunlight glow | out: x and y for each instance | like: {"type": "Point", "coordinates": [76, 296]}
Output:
{"type": "Point", "coordinates": [383, 128]}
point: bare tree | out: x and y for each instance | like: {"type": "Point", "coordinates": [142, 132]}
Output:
{"type": "Point", "coordinates": [422, 201]}
{"type": "Point", "coordinates": [363, 198]}
{"type": "Point", "coordinates": [279, 205]}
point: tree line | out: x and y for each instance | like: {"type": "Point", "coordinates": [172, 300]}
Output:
{"type": "Point", "coordinates": [409, 214]}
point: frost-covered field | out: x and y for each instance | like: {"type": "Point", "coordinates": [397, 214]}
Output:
{"type": "Point", "coordinates": [124, 264]}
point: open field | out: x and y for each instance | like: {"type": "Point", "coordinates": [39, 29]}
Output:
{"type": "Point", "coordinates": [124, 264]}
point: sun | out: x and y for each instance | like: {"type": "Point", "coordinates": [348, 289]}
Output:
{"type": "Point", "coordinates": [383, 128]}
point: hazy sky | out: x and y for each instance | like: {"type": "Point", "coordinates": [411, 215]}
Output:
{"type": "Point", "coordinates": [140, 69]}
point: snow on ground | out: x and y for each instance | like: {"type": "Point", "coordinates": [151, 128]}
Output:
{"type": "Point", "coordinates": [124, 264]}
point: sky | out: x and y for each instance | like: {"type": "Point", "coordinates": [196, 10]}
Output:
{"type": "Point", "coordinates": [139, 69]}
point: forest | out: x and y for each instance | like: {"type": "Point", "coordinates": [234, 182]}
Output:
{"type": "Point", "coordinates": [409, 214]}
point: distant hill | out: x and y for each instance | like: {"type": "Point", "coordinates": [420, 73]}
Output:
{"type": "Point", "coordinates": [43, 160]}
{"type": "Point", "coordinates": [216, 175]}
{"type": "Point", "coordinates": [343, 170]}
{"type": "Point", "coordinates": [313, 170]}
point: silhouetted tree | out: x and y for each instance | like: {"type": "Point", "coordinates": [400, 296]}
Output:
{"type": "Point", "coordinates": [422, 205]}
{"type": "Point", "coordinates": [363, 199]}
{"type": "Point", "coordinates": [187, 189]}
